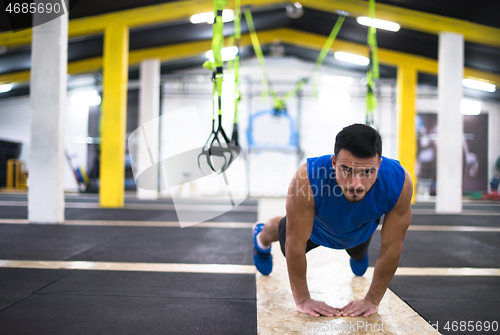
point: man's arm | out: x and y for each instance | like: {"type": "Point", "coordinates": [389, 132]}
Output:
{"type": "Point", "coordinates": [300, 212]}
{"type": "Point", "coordinates": [396, 222]}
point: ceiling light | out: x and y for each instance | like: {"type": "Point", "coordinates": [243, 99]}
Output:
{"type": "Point", "coordinates": [86, 98]}
{"type": "Point", "coordinates": [470, 107]}
{"type": "Point", "coordinates": [379, 24]}
{"type": "Point", "coordinates": [478, 85]}
{"type": "Point", "coordinates": [351, 58]}
{"type": "Point", "coordinates": [208, 17]}
{"type": "Point", "coordinates": [227, 54]}
{"type": "Point", "coordinates": [5, 88]}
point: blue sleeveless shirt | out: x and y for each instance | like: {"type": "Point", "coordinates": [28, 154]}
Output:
{"type": "Point", "coordinates": [339, 223]}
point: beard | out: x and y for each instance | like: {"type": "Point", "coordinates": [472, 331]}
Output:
{"type": "Point", "coordinates": [354, 198]}
{"type": "Point", "coordinates": [354, 195]}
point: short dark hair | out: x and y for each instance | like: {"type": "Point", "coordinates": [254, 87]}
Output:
{"type": "Point", "coordinates": [361, 140]}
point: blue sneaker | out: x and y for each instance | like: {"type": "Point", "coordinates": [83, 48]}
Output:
{"type": "Point", "coordinates": [262, 259]}
{"type": "Point", "coordinates": [359, 267]}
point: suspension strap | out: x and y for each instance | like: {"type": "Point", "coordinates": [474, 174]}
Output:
{"type": "Point", "coordinates": [279, 103]}
{"type": "Point", "coordinates": [329, 42]}
{"type": "Point", "coordinates": [217, 44]}
{"type": "Point", "coordinates": [236, 63]}
{"type": "Point", "coordinates": [324, 51]}
{"type": "Point", "coordinates": [237, 40]}
{"type": "Point", "coordinates": [373, 71]}
{"type": "Point", "coordinates": [216, 147]}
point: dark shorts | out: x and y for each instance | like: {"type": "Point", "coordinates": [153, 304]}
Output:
{"type": "Point", "coordinates": [357, 253]}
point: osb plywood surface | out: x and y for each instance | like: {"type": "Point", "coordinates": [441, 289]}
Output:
{"type": "Point", "coordinates": [331, 280]}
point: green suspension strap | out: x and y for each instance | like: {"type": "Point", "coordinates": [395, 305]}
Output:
{"type": "Point", "coordinates": [215, 147]}
{"type": "Point", "coordinates": [217, 44]}
{"type": "Point", "coordinates": [324, 51]}
{"type": "Point", "coordinates": [373, 72]}
{"type": "Point", "coordinates": [319, 61]}
{"type": "Point", "coordinates": [279, 104]}
{"type": "Point", "coordinates": [236, 63]}
{"type": "Point", "coordinates": [372, 42]}
{"type": "Point", "coordinates": [258, 53]}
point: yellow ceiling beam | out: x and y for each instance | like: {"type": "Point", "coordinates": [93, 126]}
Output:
{"type": "Point", "coordinates": [164, 54]}
{"type": "Point", "coordinates": [81, 66]}
{"type": "Point", "coordinates": [315, 41]}
{"type": "Point", "coordinates": [285, 35]}
{"type": "Point", "coordinates": [179, 10]}
{"type": "Point", "coordinates": [15, 77]}
{"type": "Point", "coordinates": [133, 18]}
{"type": "Point", "coordinates": [85, 66]}
{"type": "Point", "coordinates": [171, 52]}
{"type": "Point", "coordinates": [481, 75]}
{"type": "Point", "coordinates": [18, 39]}
{"type": "Point", "coordinates": [151, 15]}
{"type": "Point", "coordinates": [412, 19]}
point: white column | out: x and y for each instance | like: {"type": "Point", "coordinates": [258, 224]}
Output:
{"type": "Point", "coordinates": [49, 57]}
{"type": "Point", "coordinates": [450, 124]}
{"type": "Point", "coordinates": [149, 112]}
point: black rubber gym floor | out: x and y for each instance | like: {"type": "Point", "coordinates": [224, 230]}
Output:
{"type": "Point", "coordinates": [126, 244]}
{"type": "Point", "coordinates": [61, 301]}
{"type": "Point", "coordinates": [21, 212]}
{"type": "Point", "coordinates": [452, 302]}
{"type": "Point", "coordinates": [80, 314]}
{"type": "Point", "coordinates": [445, 249]}
{"type": "Point", "coordinates": [94, 198]}
{"type": "Point", "coordinates": [110, 302]}
{"type": "Point", "coordinates": [456, 220]}
{"type": "Point", "coordinates": [476, 205]}
{"type": "Point", "coordinates": [38, 301]}
{"type": "Point", "coordinates": [245, 212]}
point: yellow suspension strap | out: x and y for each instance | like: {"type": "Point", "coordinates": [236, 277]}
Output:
{"type": "Point", "coordinates": [319, 61]}
{"type": "Point", "coordinates": [373, 72]}
{"type": "Point", "coordinates": [236, 63]}
{"type": "Point", "coordinates": [216, 147]}
{"type": "Point", "coordinates": [279, 104]}
{"type": "Point", "coordinates": [258, 54]}
{"type": "Point", "coordinates": [326, 47]}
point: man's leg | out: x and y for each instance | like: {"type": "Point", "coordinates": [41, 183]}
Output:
{"type": "Point", "coordinates": [269, 233]}
{"type": "Point", "coordinates": [263, 236]}
{"type": "Point", "coordinates": [359, 252]}
{"type": "Point", "coordinates": [359, 258]}
{"type": "Point", "coordinates": [282, 238]}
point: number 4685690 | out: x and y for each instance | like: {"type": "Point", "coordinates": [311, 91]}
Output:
{"type": "Point", "coordinates": [25, 8]}
{"type": "Point", "coordinates": [472, 326]}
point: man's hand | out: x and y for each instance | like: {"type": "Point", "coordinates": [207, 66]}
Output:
{"type": "Point", "coordinates": [317, 308]}
{"type": "Point", "coordinates": [359, 307]}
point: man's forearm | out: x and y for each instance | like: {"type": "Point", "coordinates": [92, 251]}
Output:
{"type": "Point", "coordinates": [297, 268]}
{"type": "Point", "coordinates": [385, 267]}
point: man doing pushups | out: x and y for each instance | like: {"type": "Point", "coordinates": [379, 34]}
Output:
{"type": "Point", "coordinates": [337, 201]}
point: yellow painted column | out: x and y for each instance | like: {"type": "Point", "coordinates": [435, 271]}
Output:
{"type": "Point", "coordinates": [407, 139]}
{"type": "Point", "coordinates": [114, 115]}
